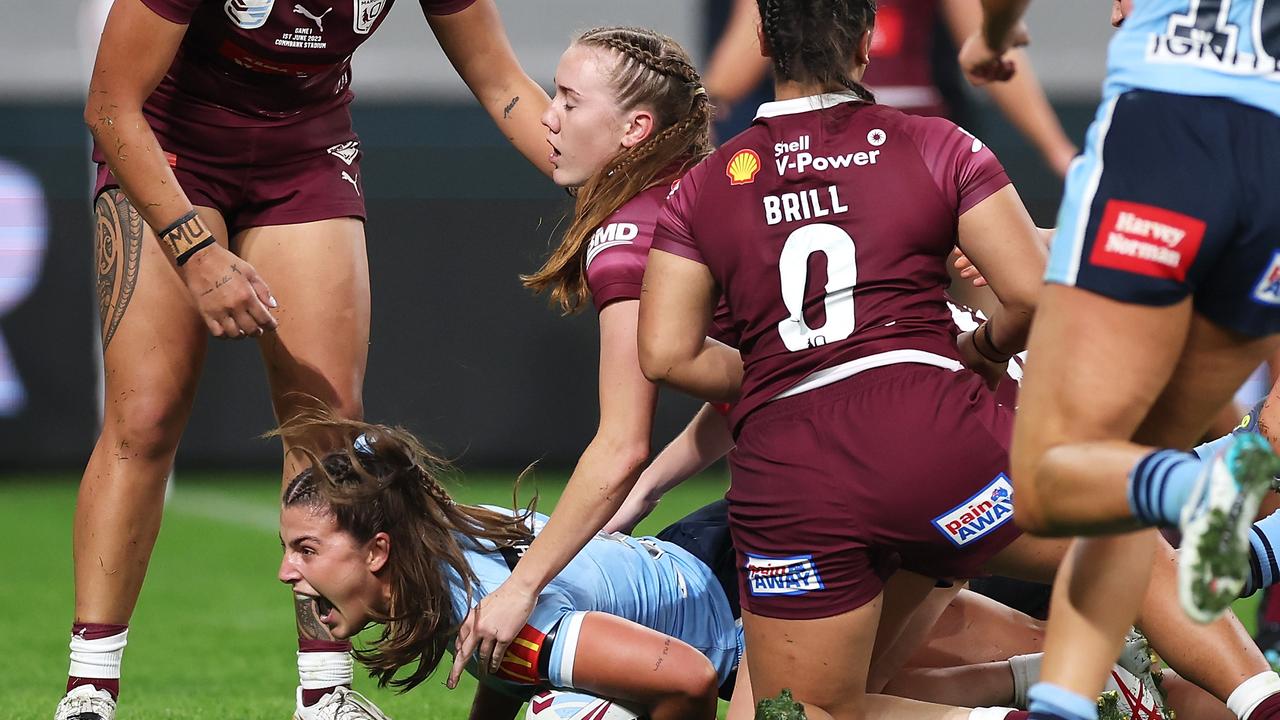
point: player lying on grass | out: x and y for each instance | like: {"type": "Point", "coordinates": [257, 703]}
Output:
{"type": "Point", "coordinates": [372, 536]}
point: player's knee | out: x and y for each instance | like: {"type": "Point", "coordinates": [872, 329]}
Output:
{"type": "Point", "coordinates": [144, 425]}
{"type": "Point", "coordinates": [697, 679]}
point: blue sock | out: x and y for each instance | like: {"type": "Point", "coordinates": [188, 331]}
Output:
{"type": "Point", "coordinates": [1160, 484]}
{"type": "Point", "coordinates": [1264, 566]}
{"type": "Point", "coordinates": [1052, 702]}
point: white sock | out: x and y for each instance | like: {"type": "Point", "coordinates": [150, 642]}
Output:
{"type": "Point", "coordinates": [1250, 693]}
{"type": "Point", "coordinates": [990, 713]}
{"type": "Point", "coordinates": [319, 670]}
{"type": "Point", "coordinates": [97, 658]}
{"type": "Point", "coordinates": [1026, 672]}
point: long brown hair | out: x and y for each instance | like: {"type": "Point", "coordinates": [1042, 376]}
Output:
{"type": "Point", "coordinates": [811, 40]}
{"type": "Point", "coordinates": [388, 482]}
{"type": "Point", "coordinates": [653, 70]}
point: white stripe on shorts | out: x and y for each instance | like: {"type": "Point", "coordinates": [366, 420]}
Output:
{"type": "Point", "coordinates": [1090, 191]}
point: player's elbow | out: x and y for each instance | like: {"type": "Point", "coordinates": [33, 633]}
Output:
{"type": "Point", "coordinates": [655, 363]}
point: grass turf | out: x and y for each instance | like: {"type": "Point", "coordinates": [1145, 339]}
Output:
{"type": "Point", "coordinates": [212, 636]}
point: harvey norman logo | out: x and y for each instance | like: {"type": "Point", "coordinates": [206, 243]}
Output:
{"type": "Point", "coordinates": [1147, 240]}
{"type": "Point", "coordinates": [980, 514]}
{"type": "Point", "coordinates": [793, 575]}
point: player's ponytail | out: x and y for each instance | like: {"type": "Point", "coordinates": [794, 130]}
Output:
{"type": "Point", "coordinates": [384, 480]}
{"type": "Point", "coordinates": [812, 41]}
{"type": "Point", "coordinates": [651, 70]}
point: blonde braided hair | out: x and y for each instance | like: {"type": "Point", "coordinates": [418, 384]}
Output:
{"type": "Point", "coordinates": [653, 70]}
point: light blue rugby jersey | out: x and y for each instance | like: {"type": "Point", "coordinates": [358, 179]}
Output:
{"type": "Point", "coordinates": [1215, 48]}
{"type": "Point", "coordinates": [648, 581]}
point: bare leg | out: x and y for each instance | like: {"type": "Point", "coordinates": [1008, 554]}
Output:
{"type": "Point", "coordinates": [153, 350]}
{"type": "Point", "coordinates": [824, 663]}
{"type": "Point", "coordinates": [319, 275]}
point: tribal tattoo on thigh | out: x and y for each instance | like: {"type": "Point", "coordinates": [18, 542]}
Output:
{"type": "Point", "coordinates": [119, 251]}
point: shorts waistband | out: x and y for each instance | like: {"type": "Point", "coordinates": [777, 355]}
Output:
{"type": "Point", "coordinates": [836, 373]}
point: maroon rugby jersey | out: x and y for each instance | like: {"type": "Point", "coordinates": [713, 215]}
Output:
{"type": "Point", "coordinates": [828, 231]}
{"type": "Point", "coordinates": [619, 251]}
{"type": "Point", "coordinates": [261, 62]}
{"type": "Point", "coordinates": [901, 68]}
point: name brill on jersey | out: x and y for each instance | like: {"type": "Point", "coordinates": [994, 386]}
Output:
{"type": "Point", "coordinates": [803, 205]}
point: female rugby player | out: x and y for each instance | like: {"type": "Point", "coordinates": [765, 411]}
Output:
{"type": "Point", "coordinates": [1178, 279]}
{"type": "Point", "coordinates": [836, 470]}
{"type": "Point", "coordinates": [229, 202]}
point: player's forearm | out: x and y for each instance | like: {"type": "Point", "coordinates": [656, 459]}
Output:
{"type": "Point", "coordinates": [136, 159]}
{"type": "Point", "coordinates": [516, 108]}
{"type": "Point", "coordinates": [712, 372]}
{"type": "Point", "coordinates": [999, 18]}
{"type": "Point", "coordinates": [600, 482]}
{"type": "Point", "coordinates": [704, 440]}
{"type": "Point", "coordinates": [1022, 100]}
{"type": "Point", "coordinates": [736, 65]}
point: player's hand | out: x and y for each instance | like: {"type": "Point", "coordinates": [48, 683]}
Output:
{"type": "Point", "coordinates": [991, 373]}
{"type": "Point", "coordinates": [983, 63]}
{"type": "Point", "coordinates": [489, 628]}
{"type": "Point", "coordinates": [232, 299]}
{"type": "Point", "coordinates": [967, 269]}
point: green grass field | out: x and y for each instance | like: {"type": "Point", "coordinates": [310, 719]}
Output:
{"type": "Point", "coordinates": [213, 634]}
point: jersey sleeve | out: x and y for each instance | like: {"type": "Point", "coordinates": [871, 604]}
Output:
{"type": "Point", "coordinates": [175, 11]}
{"type": "Point", "coordinates": [674, 233]}
{"type": "Point", "coordinates": [445, 7]}
{"type": "Point", "coordinates": [963, 168]}
{"type": "Point", "coordinates": [617, 256]}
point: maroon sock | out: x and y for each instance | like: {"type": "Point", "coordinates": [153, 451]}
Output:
{"type": "Point", "coordinates": [96, 631]}
{"type": "Point", "coordinates": [1018, 715]}
{"type": "Point", "coordinates": [1268, 709]}
{"type": "Point", "coordinates": [311, 697]}
{"type": "Point", "coordinates": [1271, 606]}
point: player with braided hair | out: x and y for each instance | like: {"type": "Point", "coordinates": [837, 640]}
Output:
{"type": "Point", "coordinates": [629, 116]}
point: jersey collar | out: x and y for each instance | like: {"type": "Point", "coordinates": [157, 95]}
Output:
{"type": "Point", "coordinates": [808, 103]}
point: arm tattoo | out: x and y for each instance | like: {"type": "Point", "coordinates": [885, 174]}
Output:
{"type": "Point", "coordinates": [506, 112]}
{"type": "Point", "coordinates": [119, 251]}
{"type": "Point", "coordinates": [309, 625]}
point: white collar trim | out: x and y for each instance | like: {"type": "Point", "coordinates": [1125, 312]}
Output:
{"type": "Point", "coordinates": [808, 103]}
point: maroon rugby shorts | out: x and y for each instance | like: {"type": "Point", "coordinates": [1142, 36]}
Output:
{"type": "Point", "coordinates": [834, 489]}
{"type": "Point", "coordinates": [272, 175]}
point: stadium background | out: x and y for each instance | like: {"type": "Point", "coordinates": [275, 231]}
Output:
{"type": "Point", "coordinates": [460, 352]}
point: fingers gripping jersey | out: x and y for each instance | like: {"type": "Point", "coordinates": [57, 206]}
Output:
{"type": "Point", "coordinates": [1210, 48]}
{"type": "Point", "coordinates": [645, 580]}
{"type": "Point", "coordinates": [255, 62]}
{"type": "Point", "coordinates": [827, 225]}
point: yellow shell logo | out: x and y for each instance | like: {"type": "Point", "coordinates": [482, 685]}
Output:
{"type": "Point", "coordinates": [743, 167]}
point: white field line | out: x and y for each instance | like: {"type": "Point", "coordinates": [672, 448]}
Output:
{"type": "Point", "coordinates": [227, 507]}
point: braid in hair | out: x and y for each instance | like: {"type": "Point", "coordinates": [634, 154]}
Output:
{"type": "Point", "coordinates": [813, 40]}
{"type": "Point", "coordinates": [650, 70]}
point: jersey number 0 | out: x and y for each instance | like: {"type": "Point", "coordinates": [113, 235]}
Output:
{"type": "Point", "coordinates": [842, 275]}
